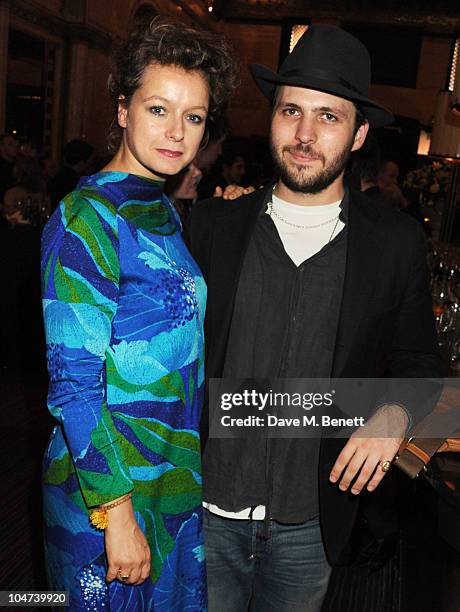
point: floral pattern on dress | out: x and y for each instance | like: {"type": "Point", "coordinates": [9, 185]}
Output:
{"type": "Point", "coordinates": [123, 305]}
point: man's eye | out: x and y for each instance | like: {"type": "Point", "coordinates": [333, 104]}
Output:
{"type": "Point", "coordinates": [195, 118]}
{"type": "Point", "coordinates": [330, 117]}
{"type": "Point", "coordinates": [157, 110]}
{"type": "Point", "coordinates": [290, 112]}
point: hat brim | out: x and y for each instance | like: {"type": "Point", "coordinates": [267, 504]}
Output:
{"type": "Point", "coordinates": [267, 81]}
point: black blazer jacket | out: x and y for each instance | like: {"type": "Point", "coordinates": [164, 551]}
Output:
{"type": "Point", "coordinates": [385, 316]}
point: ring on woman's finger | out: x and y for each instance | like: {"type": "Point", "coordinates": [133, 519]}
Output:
{"type": "Point", "coordinates": [123, 577]}
{"type": "Point", "coordinates": [385, 465]}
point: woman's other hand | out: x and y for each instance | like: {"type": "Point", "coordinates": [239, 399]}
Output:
{"type": "Point", "coordinates": [232, 192]}
{"type": "Point", "coordinates": [127, 550]}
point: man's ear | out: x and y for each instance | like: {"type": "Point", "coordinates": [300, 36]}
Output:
{"type": "Point", "coordinates": [122, 112]}
{"type": "Point", "coordinates": [360, 136]}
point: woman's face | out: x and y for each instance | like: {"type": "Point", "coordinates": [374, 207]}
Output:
{"type": "Point", "coordinates": [164, 121]}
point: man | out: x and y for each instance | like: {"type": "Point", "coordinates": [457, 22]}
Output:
{"type": "Point", "coordinates": [388, 184]}
{"type": "Point", "coordinates": [9, 148]}
{"type": "Point", "coordinates": [233, 167]}
{"type": "Point", "coordinates": [305, 280]}
{"type": "Point", "coordinates": [77, 155]}
{"type": "Point", "coordinates": [182, 189]}
{"type": "Point", "coordinates": [365, 172]}
{"type": "Point", "coordinates": [207, 157]}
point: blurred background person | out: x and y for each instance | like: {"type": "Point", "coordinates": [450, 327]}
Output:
{"type": "Point", "coordinates": [387, 179]}
{"type": "Point", "coordinates": [182, 189]}
{"type": "Point", "coordinates": [9, 148]}
{"type": "Point", "coordinates": [209, 154]}
{"type": "Point", "coordinates": [77, 159]}
{"type": "Point", "coordinates": [24, 209]}
{"type": "Point", "coordinates": [229, 169]}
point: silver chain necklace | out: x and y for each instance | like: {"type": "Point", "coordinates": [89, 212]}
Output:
{"type": "Point", "coordinates": [272, 211]}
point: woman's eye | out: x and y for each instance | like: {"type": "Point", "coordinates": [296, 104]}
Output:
{"type": "Point", "coordinates": [195, 118]}
{"type": "Point", "coordinates": [157, 110]}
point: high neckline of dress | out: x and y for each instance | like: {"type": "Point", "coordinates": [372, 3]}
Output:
{"type": "Point", "coordinates": [120, 175]}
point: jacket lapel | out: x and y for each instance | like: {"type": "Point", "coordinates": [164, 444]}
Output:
{"type": "Point", "coordinates": [364, 251]}
{"type": "Point", "coordinates": [231, 234]}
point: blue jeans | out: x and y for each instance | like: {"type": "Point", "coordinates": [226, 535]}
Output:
{"type": "Point", "coordinates": [284, 572]}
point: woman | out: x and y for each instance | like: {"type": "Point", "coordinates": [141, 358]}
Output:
{"type": "Point", "coordinates": [124, 306]}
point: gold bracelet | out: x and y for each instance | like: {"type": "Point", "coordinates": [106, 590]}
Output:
{"type": "Point", "coordinates": [99, 518]}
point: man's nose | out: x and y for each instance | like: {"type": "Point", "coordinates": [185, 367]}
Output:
{"type": "Point", "coordinates": [306, 130]}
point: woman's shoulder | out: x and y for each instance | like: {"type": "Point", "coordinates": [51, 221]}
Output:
{"type": "Point", "coordinates": [86, 216]}
{"type": "Point", "coordinates": [91, 198]}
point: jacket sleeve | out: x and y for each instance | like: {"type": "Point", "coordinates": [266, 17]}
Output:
{"type": "Point", "coordinates": [80, 276]}
{"type": "Point", "coordinates": [415, 351]}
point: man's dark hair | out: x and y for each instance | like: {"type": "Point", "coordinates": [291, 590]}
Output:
{"type": "Point", "coordinates": [360, 118]}
{"type": "Point", "coordinates": [167, 43]}
{"type": "Point", "coordinates": [366, 161]}
{"type": "Point", "coordinates": [77, 151]}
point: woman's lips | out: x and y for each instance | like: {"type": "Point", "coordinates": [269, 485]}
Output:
{"type": "Point", "coordinates": [170, 153]}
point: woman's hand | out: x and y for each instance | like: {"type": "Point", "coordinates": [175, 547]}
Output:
{"type": "Point", "coordinates": [232, 192]}
{"type": "Point", "coordinates": [127, 550]}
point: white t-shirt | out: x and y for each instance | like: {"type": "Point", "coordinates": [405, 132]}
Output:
{"type": "Point", "coordinates": [299, 243]}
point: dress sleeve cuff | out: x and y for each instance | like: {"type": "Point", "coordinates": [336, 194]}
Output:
{"type": "Point", "coordinates": [112, 480]}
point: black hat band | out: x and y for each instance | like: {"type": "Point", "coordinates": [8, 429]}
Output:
{"type": "Point", "coordinates": [321, 74]}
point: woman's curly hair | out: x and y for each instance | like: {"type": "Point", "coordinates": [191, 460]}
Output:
{"type": "Point", "coordinates": [170, 43]}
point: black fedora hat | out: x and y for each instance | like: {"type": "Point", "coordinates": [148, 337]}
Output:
{"type": "Point", "coordinates": [328, 59]}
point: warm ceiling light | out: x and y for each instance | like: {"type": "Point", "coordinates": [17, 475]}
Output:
{"type": "Point", "coordinates": [454, 64]}
{"type": "Point", "coordinates": [296, 33]}
{"type": "Point", "coordinates": [424, 143]}
{"type": "Point", "coordinates": [454, 79]}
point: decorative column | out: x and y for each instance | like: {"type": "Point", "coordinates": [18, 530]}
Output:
{"type": "Point", "coordinates": [78, 78]}
{"type": "Point", "coordinates": [445, 142]}
{"type": "Point", "coordinates": [4, 29]}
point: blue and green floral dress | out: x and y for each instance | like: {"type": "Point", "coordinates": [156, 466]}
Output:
{"type": "Point", "coordinates": [124, 307]}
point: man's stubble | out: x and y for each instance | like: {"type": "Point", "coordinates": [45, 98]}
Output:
{"type": "Point", "coordinates": [301, 179]}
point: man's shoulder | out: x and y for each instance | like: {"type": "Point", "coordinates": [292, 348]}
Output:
{"type": "Point", "coordinates": [393, 222]}
{"type": "Point", "coordinates": [217, 207]}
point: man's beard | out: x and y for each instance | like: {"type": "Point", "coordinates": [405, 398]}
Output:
{"type": "Point", "coordinates": [298, 178]}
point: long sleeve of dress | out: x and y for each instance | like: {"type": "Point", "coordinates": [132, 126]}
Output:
{"type": "Point", "coordinates": [80, 280]}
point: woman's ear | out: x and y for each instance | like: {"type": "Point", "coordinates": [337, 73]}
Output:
{"type": "Point", "coordinates": [122, 112]}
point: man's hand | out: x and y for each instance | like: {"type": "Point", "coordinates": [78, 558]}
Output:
{"type": "Point", "coordinates": [365, 452]}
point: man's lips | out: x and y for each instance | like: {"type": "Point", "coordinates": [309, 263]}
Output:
{"type": "Point", "coordinates": [170, 153]}
{"type": "Point", "coordinates": [301, 157]}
